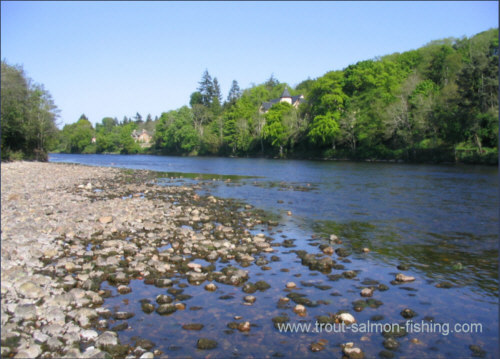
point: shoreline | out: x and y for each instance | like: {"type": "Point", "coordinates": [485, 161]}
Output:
{"type": "Point", "coordinates": [66, 229]}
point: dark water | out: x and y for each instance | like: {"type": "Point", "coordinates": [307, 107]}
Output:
{"type": "Point", "coordinates": [441, 220]}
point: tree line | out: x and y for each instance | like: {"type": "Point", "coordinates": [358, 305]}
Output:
{"type": "Point", "coordinates": [437, 103]}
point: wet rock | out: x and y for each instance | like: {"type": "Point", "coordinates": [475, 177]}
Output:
{"type": "Point", "coordinates": [147, 355]}
{"type": "Point", "coordinates": [120, 327]}
{"type": "Point", "coordinates": [350, 274]}
{"type": "Point", "coordinates": [206, 344]}
{"type": "Point", "coordinates": [477, 351]}
{"type": "Point", "coordinates": [84, 316]}
{"type": "Point", "coordinates": [346, 318]}
{"type": "Point", "coordinates": [300, 310]}
{"type": "Point", "coordinates": [249, 288]}
{"type": "Point", "coordinates": [147, 307]}
{"type": "Point", "coordinates": [445, 285]}
{"type": "Point", "coordinates": [400, 277]}
{"type": "Point", "coordinates": [342, 252]}
{"type": "Point", "coordinates": [249, 299]}
{"type": "Point", "coordinates": [391, 344]}
{"type": "Point", "coordinates": [123, 315]}
{"type": "Point", "coordinates": [316, 347]}
{"type": "Point", "coordinates": [193, 326]}
{"type": "Point", "coordinates": [244, 327]}
{"type": "Point", "coordinates": [407, 313]}
{"type": "Point", "coordinates": [262, 285]}
{"type": "Point", "coordinates": [195, 277]}
{"type": "Point", "coordinates": [145, 344]}
{"type": "Point", "coordinates": [351, 351]}
{"type": "Point", "coordinates": [123, 289]}
{"type": "Point", "coordinates": [163, 282]}
{"type": "Point", "coordinates": [395, 332]}
{"type": "Point", "coordinates": [32, 352]}
{"type": "Point", "coordinates": [291, 285]}
{"type": "Point", "coordinates": [382, 287]}
{"type": "Point", "coordinates": [403, 266]}
{"type": "Point", "coordinates": [211, 287]}
{"type": "Point", "coordinates": [279, 321]}
{"type": "Point", "coordinates": [328, 250]}
{"type": "Point", "coordinates": [386, 354]}
{"type": "Point", "coordinates": [164, 299]}
{"type": "Point", "coordinates": [165, 309]}
{"type": "Point", "coordinates": [367, 292]}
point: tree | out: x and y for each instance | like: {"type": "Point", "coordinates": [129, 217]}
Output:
{"type": "Point", "coordinates": [28, 116]}
{"type": "Point", "coordinates": [138, 118]}
{"type": "Point", "coordinates": [275, 129]}
{"type": "Point", "coordinates": [234, 93]}
{"type": "Point", "coordinates": [324, 130]}
{"type": "Point", "coordinates": [206, 89]}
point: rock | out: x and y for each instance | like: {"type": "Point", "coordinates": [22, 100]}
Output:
{"type": "Point", "coordinates": [106, 339]}
{"type": "Point", "coordinates": [391, 344]}
{"type": "Point", "coordinates": [164, 299]}
{"type": "Point", "coordinates": [262, 285]}
{"type": "Point", "coordinates": [408, 313]}
{"type": "Point", "coordinates": [89, 335]}
{"type": "Point", "coordinates": [54, 344]}
{"type": "Point", "coordinates": [194, 277]}
{"type": "Point", "coordinates": [33, 351]}
{"type": "Point", "coordinates": [206, 344]}
{"type": "Point", "coordinates": [367, 292]}
{"type": "Point", "coordinates": [25, 312]}
{"type": "Point", "coordinates": [31, 290]}
{"type": "Point", "coordinates": [84, 316]}
{"type": "Point", "coordinates": [250, 299]}
{"type": "Point", "coordinates": [194, 266]}
{"type": "Point", "coordinates": [351, 351]}
{"type": "Point", "coordinates": [316, 347]}
{"type": "Point", "coordinates": [329, 251]}
{"type": "Point", "coordinates": [291, 285]}
{"type": "Point", "coordinates": [400, 277]}
{"type": "Point", "coordinates": [346, 318]}
{"type": "Point", "coordinates": [211, 287]}
{"type": "Point", "coordinates": [193, 326]}
{"type": "Point", "coordinates": [366, 250]}
{"type": "Point", "coordinates": [106, 219]}
{"type": "Point", "coordinates": [147, 308]}
{"type": "Point", "coordinates": [123, 289]}
{"type": "Point", "coordinates": [300, 310]}
{"type": "Point", "coordinates": [165, 309]}
{"type": "Point", "coordinates": [147, 355]}
{"type": "Point", "coordinates": [123, 315]}
{"type": "Point", "coordinates": [244, 327]}
{"type": "Point", "coordinates": [342, 252]}
{"type": "Point", "coordinates": [477, 351]}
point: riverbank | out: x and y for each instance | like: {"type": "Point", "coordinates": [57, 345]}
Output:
{"type": "Point", "coordinates": [68, 228]}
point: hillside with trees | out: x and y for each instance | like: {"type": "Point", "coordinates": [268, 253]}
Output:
{"type": "Point", "coordinates": [438, 103]}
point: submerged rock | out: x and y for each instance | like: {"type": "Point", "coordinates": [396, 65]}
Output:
{"type": "Point", "coordinates": [206, 344]}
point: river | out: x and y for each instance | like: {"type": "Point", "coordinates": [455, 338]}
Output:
{"type": "Point", "coordinates": [440, 220]}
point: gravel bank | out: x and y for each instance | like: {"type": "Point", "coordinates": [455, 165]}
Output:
{"type": "Point", "coordinates": [67, 228]}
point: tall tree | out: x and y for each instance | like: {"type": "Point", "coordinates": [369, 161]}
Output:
{"type": "Point", "coordinates": [234, 93]}
{"type": "Point", "coordinates": [206, 89]}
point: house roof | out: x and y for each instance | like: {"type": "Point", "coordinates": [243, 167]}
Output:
{"type": "Point", "coordinates": [285, 93]}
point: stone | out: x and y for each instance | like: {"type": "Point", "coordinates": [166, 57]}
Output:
{"type": "Point", "coordinates": [391, 344]}
{"type": "Point", "coordinates": [366, 292]}
{"type": "Point", "coordinates": [147, 355]}
{"type": "Point", "coordinates": [31, 290]}
{"type": "Point", "coordinates": [351, 351]}
{"type": "Point", "coordinates": [165, 309]}
{"type": "Point", "coordinates": [123, 315]}
{"type": "Point", "coordinates": [89, 335]}
{"type": "Point", "coordinates": [33, 351]}
{"type": "Point", "coordinates": [54, 344]}
{"type": "Point", "coordinates": [407, 313]}
{"type": "Point", "coordinates": [400, 277]}
{"type": "Point", "coordinates": [106, 219]}
{"type": "Point", "coordinates": [164, 299]}
{"type": "Point", "coordinates": [193, 326]}
{"type": "Point", "coordinates": [291, 285]}
{"type": "Point", "coordinates": [84, 316]}
{"type": "Point", "coordinates": [244, 327]}
{"type": "Point", "coordinates": [106, 339]}
{"type": "Point", "coordinates": [211, 287]}
{"type": "Point", "coordinates": [299, 309]}
{"type": "Point", "coordinates": [250, 299]}
{"type": "Point", "coordinates": [206, 344]}
{"type": "Point", "coordinates": [346, 318]}
{"type": "Point", "coordinates": [25, 312]}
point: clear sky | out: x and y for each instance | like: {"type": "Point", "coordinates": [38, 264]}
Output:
{"type": "Point", "coordinates": [119, 58]}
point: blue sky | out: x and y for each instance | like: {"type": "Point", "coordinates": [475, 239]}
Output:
{"type": "Point", "coordinates": [119, 58]}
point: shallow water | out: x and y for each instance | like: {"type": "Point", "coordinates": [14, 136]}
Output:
{"type": "Point", "coordinates": [441, 220]}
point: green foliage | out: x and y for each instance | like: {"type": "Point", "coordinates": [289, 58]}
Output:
{"type": "Point", "coordinates": [420, 105]}
{"type": "Point", "coordinates": [28, 116]}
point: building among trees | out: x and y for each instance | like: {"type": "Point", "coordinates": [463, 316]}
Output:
{"type": "Point", "coordinates": [143, 137]}
{"type": "Point", "coordinates": [295, 101]}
